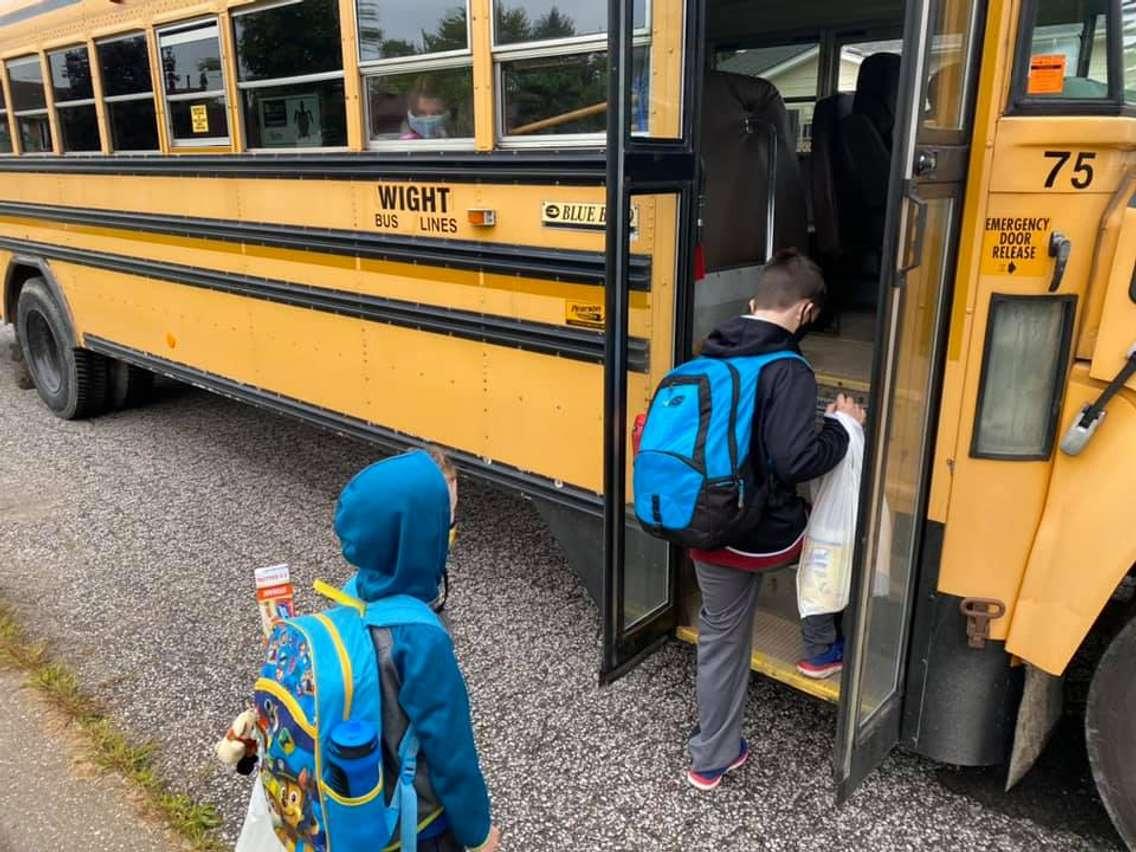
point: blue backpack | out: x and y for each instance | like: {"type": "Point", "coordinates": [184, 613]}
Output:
{"type": "Point", "coordinates": [693, 480]}
{"type": "Point", "coordinates": [321, 670]}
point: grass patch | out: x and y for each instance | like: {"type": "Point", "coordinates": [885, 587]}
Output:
{"type": "Point", "coordinates": [109, 748]}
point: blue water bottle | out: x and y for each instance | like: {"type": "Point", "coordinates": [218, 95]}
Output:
{"type": "Point", "coordinates": [353, 758]}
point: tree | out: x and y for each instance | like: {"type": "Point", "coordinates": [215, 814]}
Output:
{"type": "Point", "coordinates": [452, 32]}
{"type": "Point", "coordinates": [285, 41]}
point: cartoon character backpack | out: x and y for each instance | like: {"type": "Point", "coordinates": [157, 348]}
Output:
{"type": "Point", "coordinates": [694, 483]}
{"type": "Point", "coordinates": [318, 704]}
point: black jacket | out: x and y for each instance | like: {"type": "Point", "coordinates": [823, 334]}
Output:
{"type": "Point", "coordinates": [784, 430]}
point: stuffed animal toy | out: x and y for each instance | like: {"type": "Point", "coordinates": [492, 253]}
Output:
{"type": "Point", "coordinates": [238, 748]}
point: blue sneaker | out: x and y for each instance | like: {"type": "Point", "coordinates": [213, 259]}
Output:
{"type": "Point", "coordinates": [710, 779]}
{"type": "Point", "coordinates": [826, 664]}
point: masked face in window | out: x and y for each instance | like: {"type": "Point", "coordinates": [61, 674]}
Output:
{"type": "Point", "coordinates": [427, 117]}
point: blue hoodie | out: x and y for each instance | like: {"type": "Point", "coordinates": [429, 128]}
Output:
{"type": "Point", "coordinates": [393, 519]}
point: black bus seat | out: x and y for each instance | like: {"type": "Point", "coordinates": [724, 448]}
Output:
{"type": "Point", "coordinates": [866, 136]}
{"type": "Point", "coordinates": [827, 173]}
{"type": "Point", "coordinates": [748, 152]}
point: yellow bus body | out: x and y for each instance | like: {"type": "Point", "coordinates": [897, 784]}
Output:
{"type": "Point", "coordinates": [1045, 537]}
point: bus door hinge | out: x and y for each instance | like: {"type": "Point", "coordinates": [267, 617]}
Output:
{"type": "Point", "coordinates": [979, 612]}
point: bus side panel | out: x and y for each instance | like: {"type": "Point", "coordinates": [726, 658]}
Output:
{"type": "Point", "coordinates": [995, 505]}
{"type": "Point", "coordinates": [1117, 332]}
{"type": "Point", "coordinates": [538, 412]}
{"type": "Point", "coordinates": [1084, 545]}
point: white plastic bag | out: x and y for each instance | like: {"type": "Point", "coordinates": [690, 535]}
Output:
{"type": "Point", "coordinates": [824, 575]}
{"type": "Point", "coordinates": [257, 834]}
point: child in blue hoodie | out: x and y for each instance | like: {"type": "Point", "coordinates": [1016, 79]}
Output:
{"type": "Point", "coordinates": [393, 520]}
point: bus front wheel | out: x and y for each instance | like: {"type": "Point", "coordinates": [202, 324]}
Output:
{"type": "Point", "coordinates": [1110, 730]}
{"type": "Point", "coordinates": [72, 382]}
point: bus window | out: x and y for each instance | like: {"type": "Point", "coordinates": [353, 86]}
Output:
{"type": "Point", "coordinates": [128, 91]}
{"type": "Point", "coordinates": [29, 105]}
{"type": "Point", "coordinates": [74, 99]}
{"type": "Point", "coordinates": [393, 29]}
{"type": "Point", "coordinates": [194, 84]}
{"type": "Point", "coordinates": [5, 130]}
{"type": "Point", "coordinates": [552, 70]}
{"type": "Point", "coordinates": [794, 70]}
{"type": "Point", "coordinates": [418, 73]}
{"type": "Point", "coordinates": [1068, 51]}
{"type": "Point", "coordinates": [427, 106]}
{"type": "Point", "coordinates": [1128, 40]}
{"type": "Point", "coordinates": [290, 73]}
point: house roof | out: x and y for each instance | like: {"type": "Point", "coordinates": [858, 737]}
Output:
{"type": "Point", "coordinates": [757, 61]}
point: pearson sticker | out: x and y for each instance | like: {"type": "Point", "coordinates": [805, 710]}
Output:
{"type": "Point", "coordinates": [584, 314]}
{"type": "Point", "coordinates": [1016, 245]}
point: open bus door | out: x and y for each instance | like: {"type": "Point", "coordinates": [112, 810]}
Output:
{"type": "Point", "coordinates": [932, 138]}
{"type": "Point", "coordinates": [649, 165]}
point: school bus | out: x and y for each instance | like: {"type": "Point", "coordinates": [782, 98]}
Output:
{"type": "Point", "coordinates": [495, 225]}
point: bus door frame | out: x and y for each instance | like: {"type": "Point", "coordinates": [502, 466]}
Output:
{"type": "Point", "coordinates": [929, 165]}
{"type": "Point", "coordinates": [638, 165]}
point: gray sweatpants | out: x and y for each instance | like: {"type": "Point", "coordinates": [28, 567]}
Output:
{"type": "Point", "coordinates": [725, 646]}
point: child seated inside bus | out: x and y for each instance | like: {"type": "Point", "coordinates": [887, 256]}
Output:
{"type": "Point", "coordinates": [394, 521]}
{"type": "Point", "coordinates": [427, 113]}
{"type": "Point", "coordinates": [788, 449]}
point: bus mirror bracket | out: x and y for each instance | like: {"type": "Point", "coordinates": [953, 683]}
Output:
{"type": "Point", "coordinates": [1085, 424]}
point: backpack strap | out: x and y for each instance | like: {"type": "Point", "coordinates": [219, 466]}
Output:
{"type": "Point", "coordinates": [405, 797]}
{"type": "Point", "coordinates": [395, 611]}
{"type": "Point", "coordinates": [400, 610]}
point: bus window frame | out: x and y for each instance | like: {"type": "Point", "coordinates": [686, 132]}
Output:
{"type": "Point", "coordinates": [295, 79]}
{"type": "Point", "coordinates": [1064, 363]}
{"type": "Point", "coordinates": [1021, 103]}
{"type": "Point", "coordinates": [366, 65]}
{"type": "Point", "coordinates": [442, 60]}
{"type": "Point", "coordinates": [574, 46]}
{"type": "Point", "coordinates": [57, 105]}
{"type": "Point", "coordinates": [108, 100]}
{"type": "Point", "coordinates": [212, 141]}
{"type": "Point", "coordinates": [45, 111]}
{"type": "Point", "coordinates": [6, 113]}
{"type": "Point", "coordinates": [570, 46]}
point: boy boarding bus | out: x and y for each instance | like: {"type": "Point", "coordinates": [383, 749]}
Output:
{"type": "Point", "coordinates": [373, 214]}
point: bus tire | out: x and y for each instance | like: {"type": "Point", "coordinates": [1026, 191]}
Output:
{"type": "Point", "coordinates": [1110, 731]}
{"type": "Point", "coordinates": [130, 386]}
{"type": "Point", "coordinates": [71, 382]}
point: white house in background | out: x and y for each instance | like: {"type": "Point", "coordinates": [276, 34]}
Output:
{"type": "Point", "coordinates": [794, 69]}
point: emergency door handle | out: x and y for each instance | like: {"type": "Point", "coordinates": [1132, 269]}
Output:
{"type": "Point", "coordinates": [1060, 247]}
{"type": "Point", "coordinates": [916, 230]}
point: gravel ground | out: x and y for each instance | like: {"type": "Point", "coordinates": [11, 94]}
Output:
{"type": "Point", "coordinates": [130, 541]}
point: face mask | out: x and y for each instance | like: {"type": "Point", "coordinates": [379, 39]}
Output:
{"type": "Point", "coordinates": [427, 126]}
{"type": "Point", "coordinates": [805, 323]}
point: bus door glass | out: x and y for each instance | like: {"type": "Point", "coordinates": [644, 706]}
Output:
{"type": "Point", "coordinates": [649, 220]}
{"type": "Point", "coordinates": [928, 169]}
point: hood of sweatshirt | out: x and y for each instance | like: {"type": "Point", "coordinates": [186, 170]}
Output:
{"type": "Point", "coordinates": [393, 520]}
{"type": "Point", "coordinates": [746, 335]}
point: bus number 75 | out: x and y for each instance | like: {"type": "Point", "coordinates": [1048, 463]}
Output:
{"type": "Point", "coordinates": [1082, 169]}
